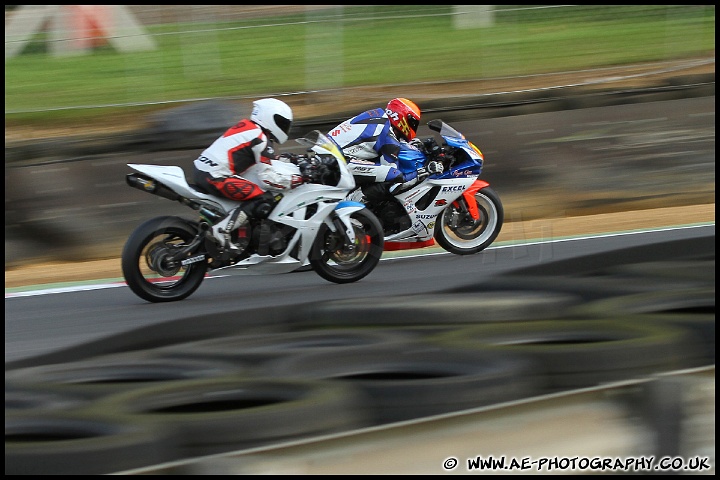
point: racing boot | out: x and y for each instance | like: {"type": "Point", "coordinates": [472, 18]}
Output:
{"type": "Point", "coordinates": [398, 188]}
{"type": "Point", "coordinates": [224, 228]}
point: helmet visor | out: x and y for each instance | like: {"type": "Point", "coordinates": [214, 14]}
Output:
{"type": "Point", "coordinates": [283, 123]}
{"type": "Point", "coordinates": [414, 124]}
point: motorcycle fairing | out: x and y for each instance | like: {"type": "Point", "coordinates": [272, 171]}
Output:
{"type": "Point", "coordinates": [423, 221]}
{"type": "Point", "coordinates": [174, 178]}
{"type": "Point", "coordinates": [469, 196]}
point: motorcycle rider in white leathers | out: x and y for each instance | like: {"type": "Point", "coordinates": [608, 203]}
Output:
{"type": "Point", "coordinates": [238, 166]}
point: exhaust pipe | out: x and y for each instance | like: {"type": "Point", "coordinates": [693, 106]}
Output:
{"type": "Point", "coordinates": [150, 185]}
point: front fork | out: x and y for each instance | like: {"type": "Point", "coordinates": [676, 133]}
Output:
{"type": "Point", "coordinates": [341, 220]}
{"type": "Point", "coordinates": [469, 206]}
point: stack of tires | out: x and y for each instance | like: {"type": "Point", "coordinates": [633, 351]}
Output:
{"type": "Point", "coordinates": [334, 366]}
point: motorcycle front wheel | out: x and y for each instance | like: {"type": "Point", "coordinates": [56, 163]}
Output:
{"type": "Point", "coordinates": [146, 263]}
{"type": "Point", "coordinates": [457, 232]}
{"type": "Point", "coordinates": [336, 261]}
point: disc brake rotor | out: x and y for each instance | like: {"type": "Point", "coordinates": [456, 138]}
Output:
{"type": "Point", "coordinates": [463, 224]}
{"type": "Point", "coordinates": [343, 253]}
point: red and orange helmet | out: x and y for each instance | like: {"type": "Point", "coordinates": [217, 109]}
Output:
{"type": "Point", "coordinates": [404, 117]}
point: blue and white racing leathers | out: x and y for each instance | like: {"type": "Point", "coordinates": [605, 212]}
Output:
{"type": "Point", "coordinates": [375, 155]}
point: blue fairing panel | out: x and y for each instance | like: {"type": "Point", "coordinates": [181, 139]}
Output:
{"type": "Point", "coordinates": [348, 203]}
{"type": "Point", "coordinates": [411, 160]}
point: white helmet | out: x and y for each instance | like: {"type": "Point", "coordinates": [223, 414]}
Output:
{"type": "Point", "coordinates": [274, 116]}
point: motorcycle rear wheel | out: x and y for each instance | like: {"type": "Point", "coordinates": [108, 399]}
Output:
{"type": "Point", "coordinates": [339, 263]}
{"type": "Point", "coordinates": [458, 233]}
{"type": "Point", "coordinates": [145, 264]}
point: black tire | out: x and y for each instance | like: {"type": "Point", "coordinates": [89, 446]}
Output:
{"type": "Point", "coordinates": [701, 327]}
{"type": "Point", "coordinates": [690, 309]}
{"type": "Point", "coordinates": [230, 413]}
{"type": "Point", "coordinates": [142, 264]}
{"type": "Point", "coordinates": [587, 287]}
{"type": "Point", "coordinates": [258, 349]}
{"type": "Point", "coordinates": [682, 301]}
{"type": "Point", "coordinates": [685, 270]}
{"type": "Point", "coordinates": [336, 265]}
{"type": "Point", "coordinates": [24, 397]}
{"type": "Point", "coordinates": [469, 237]}
{"type": "Point", "coordinates": [79, 443]}
{"type": "Point", "coordinates": [581, 353]}
{"type": "Point", "coordinates": [438, 309]}
{"type": "Point", "coordinates": [103, 376]}
{"type": "Point", "coordinates": [420, 380]}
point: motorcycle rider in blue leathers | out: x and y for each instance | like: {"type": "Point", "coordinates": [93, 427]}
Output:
{"type": "Point", "coordinates": [379, 147]}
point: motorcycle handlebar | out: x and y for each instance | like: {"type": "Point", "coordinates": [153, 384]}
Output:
{"type": "Point", "coordinates": [441, 154]}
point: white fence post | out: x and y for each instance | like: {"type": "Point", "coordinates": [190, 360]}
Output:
{"type": "Point", "coordinates": [473, 16]}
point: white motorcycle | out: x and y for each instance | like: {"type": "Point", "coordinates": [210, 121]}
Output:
{"type": "Point", "coordinates": [462, 213]}
{"type": "Point", "coordinates": [166, 258]}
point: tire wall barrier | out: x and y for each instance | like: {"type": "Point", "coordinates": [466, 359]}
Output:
{"type": "Point", "coordinates": [259, 349]}
{"type": "Point", "coordinates": [228, 413]}
{"type": "Point", "coordinates": [583, 353]}
{"type": "Point", "coordinates": [81, 443]}
{"type": "Point", "coordinates": [417, 381]}
{"type": "Point", "coordinates": [440, 309]}
{"type": "Point", "coordinates": [102, 376]}
{"type": "Point", "coordinates": [661, 416]}
{"type": "Point", "coordinates": [188, 388]}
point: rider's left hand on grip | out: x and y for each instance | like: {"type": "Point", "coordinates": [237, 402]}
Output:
{"type": "Point", "coordinates": [435, 167]}
{"type": "Point", "coordinates": [312, 169]}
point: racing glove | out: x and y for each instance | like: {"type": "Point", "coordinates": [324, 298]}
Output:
{"type": "Point", "coordinates": [417, 143]}
{"type": "Point", "coordinates": [435, 167]}
{"type": "Point", "coordinates": [431, 168]}
{"type": "Point", "coordinates": [424, 145]}
{"type": "Point", "coordinates": [309, 169]}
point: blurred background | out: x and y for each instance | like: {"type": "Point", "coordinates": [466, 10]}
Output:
{"type": "Point", "coordinates": [94, 60]}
